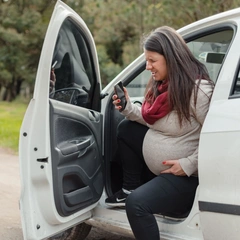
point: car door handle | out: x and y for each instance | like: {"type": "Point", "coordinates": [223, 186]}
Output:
{"type": "Point", "coordinates": [94, 116]}
{"type": "Point", "coordinates": [75, 145]}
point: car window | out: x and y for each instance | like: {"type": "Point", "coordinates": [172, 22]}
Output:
{"type": "Point", "coordinates": [210, 49]}
{"type": "Point", "coordinates": [236, 88]}
{"type": "Point", "coordinates": [136, 87]}
{"type": "Point", "coordinates": [73, 70]}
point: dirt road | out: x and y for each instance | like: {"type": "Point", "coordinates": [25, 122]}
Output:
{"type": "Point", "coordinates": [10, 227]}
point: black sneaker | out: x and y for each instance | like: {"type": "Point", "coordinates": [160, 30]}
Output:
{"type": "Point", "coordinates": [117, 200]}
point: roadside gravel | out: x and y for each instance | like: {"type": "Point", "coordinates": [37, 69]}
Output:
{"type": "Point", "coordinates": [10, 227]}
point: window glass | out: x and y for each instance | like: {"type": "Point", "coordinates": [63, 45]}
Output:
{"type": "Point", "coordinates": [136, 88]}
{"type": "Point", "coordinates": [72, 78]}
{"type": "Point", "coordinates": [236, 89]}
{"type": "Point", "coordinates": [209, 49]}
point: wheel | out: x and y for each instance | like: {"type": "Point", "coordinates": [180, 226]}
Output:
{"type": "Point", "coordinates": [78, 232]}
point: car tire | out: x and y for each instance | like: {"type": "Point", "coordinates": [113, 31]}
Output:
{"type": "Point", "coordinates": [79, 232]}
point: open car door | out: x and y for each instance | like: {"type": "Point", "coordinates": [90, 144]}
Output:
{"type": "Point", "coordinates": [60, 138]}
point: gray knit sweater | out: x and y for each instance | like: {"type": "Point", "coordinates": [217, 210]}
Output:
{"type": "Point", "coordinates": [167, 140]}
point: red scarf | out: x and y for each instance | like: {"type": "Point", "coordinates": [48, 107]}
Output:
{"type": "Point", "coordinates": [151, 112]}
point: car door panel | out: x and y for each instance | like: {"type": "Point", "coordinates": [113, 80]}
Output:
{"type": "Point", "coordinates": [76, 157]}
{"type": "Point", "coordinates": [61, 134]}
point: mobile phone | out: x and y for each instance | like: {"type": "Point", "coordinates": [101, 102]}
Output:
{"type": "Point", "coordinates": [119, 91]}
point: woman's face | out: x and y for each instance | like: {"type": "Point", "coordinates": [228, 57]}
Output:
{"type": "Point", "coordinates": [156, 63]}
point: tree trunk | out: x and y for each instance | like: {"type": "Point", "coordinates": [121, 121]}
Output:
{"type": "Point", "coordinates": [18, 86]}
{"type": "Point", "coordinates": [12, 89]}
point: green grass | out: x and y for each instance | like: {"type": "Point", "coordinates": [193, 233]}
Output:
{"type": "Point", "coordinates": [11, 116]}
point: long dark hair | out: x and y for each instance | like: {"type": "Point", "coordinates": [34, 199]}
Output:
{"type": "Point", "coordinates": [182, 67]}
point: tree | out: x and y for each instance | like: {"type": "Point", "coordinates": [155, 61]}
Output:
{"type": "Point", "coordinates": [22, 28]}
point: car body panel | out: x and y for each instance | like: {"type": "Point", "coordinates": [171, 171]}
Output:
{"type": "Point", "coordinates": [219, 198]}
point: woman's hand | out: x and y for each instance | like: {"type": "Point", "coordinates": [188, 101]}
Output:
{"type": "Point", "coordinates": [116, 100]}
{"type": "Point", "coordinates": [52, 81]}
{"type": "Point", "coordinates": [175, 168]}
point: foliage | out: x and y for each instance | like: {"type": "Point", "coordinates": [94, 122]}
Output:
{"type": "Point", "coordinates": [22, 28]}
{"type": "Point", "coordinates": [11, 116]}
{"type": "Point", "coordinates": [117, 27]}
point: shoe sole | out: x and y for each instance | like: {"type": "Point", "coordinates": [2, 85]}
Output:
{"type": "Point", "coordinates": [116, 204]}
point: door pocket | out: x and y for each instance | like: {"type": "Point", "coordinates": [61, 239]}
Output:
{"type": "Point", "coordinates": [73, 198]}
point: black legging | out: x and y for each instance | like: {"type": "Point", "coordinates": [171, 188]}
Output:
{"type": "Point", "coordinates": [165, 193]}
{"type": "Point", "coordinates": [130, 137]}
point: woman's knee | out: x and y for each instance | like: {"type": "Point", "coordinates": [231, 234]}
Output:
{"type": "Point", "coordinates": [131, 205]}
{"type": "Point", "coordinates": [135, 205]}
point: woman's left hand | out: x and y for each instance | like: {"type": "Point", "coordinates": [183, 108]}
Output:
{"type": "Point", "coordinates": [175, 168]}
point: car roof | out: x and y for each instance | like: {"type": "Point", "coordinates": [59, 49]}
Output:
{"type": "Point", "coordinates": [208, 21]}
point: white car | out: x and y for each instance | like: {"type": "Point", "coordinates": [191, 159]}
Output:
{"type": "Point", "coordinates": [68, 138]}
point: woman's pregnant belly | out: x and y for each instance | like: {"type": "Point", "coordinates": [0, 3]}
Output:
{"type": "Point", "coordinates": [158, 148]}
